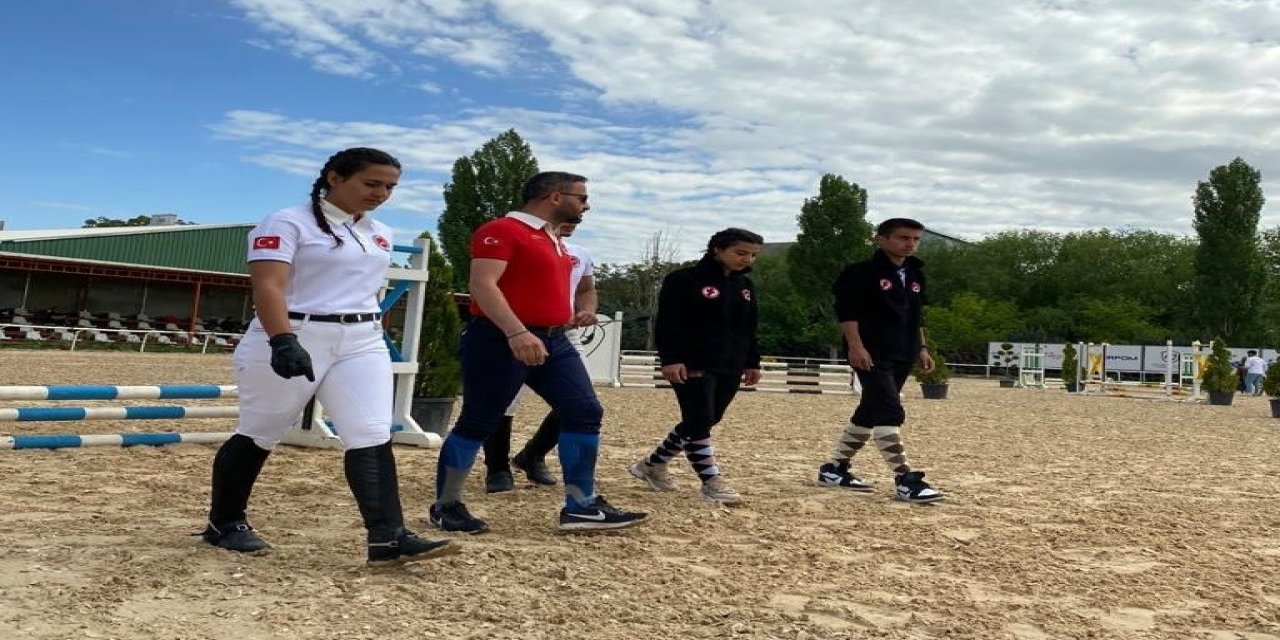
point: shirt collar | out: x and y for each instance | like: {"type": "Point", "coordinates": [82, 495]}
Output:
{"type": "Point", "coordinates": [336, 215]}
{"type": "Point", "coordinates": [531, 220]}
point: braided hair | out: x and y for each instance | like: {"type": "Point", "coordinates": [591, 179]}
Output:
{"type": "Point", "coordinates": [731, 236]}
{"type": "Point", "coordinates": [345, 163]}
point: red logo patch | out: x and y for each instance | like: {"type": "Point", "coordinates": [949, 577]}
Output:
{"type": "Point", "coordinates": [491, 241]}
{"type": "Point", "coordinates": [266, 242]}
{"type": "Point", "coordinates": [746, 295]}
{"type": "Point", "coordinates": [382, 243]}
{"type": "Point", "coordinates": [575, 260]}
{"type": "Point", "coordinates": [915, 287]}
{"type": "Point", "coordinates": [710, 293]}
{"type": "Point", "coordinates": [885, 284]}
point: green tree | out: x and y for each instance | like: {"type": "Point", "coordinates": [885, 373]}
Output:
{"type": "Point", "coordinates": [633, 290]}
{"type": "Point", "coordinates": [783, 314]}
{"type": "Point", "coordinates": [441, 372]}
{"type": "Point", "coordinates": [485, 186]}
{"type": "Point", "coordinates": [964, 328]}
{"type": "Point", "coordinates": [833, 233]}
{"type": "Point", "coordinates": [1230, 276]}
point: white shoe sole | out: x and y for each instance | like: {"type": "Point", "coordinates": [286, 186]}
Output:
{"type": "Point", "coordinates": [724, 500]}
{"type": "Point", "coordinates": [840, 486]}
{"type": "Point", "coordinates": [598, 526]}
{"type": "Point", "coordinates": [921, 500]}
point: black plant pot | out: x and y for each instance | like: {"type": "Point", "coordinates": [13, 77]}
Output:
{"type": "Point", "coordinates": [1221, 398]}
{"type": "Point", "coordinates": [1073, 387]}
{"type": "Point", "coordinates": [1275, 407]}
{"type": "Point", "coordinates": [432, 414]}
{"type": "Point", "coordinates": [1008, 384]}
{"type": "Point", "coordinates": [934, 391]}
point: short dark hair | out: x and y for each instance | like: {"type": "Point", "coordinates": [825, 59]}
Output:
{"type": "Point", "coordinates": [731, 236]}
{"type": "Point", "coordinates": [542, 184]}
{"type": "Point", "coordinates": [1252, 352]}
{"type": "Point", "coordinates": [893, 224]}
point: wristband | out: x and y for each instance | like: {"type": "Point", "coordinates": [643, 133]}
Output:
{"type": "Point", "coordinates": [517, 333]}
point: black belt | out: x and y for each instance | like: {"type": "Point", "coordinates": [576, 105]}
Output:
{"type": "Point", "coordinates": [546, 332]}
{"type": "Point", "coordinates": [344, 318]}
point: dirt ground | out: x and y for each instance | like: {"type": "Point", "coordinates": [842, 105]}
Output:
{"type": "Point", "coordinates": [1068, 517]}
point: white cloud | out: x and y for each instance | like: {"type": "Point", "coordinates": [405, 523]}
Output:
{"type": "Point", "coordinates": [973, 116]}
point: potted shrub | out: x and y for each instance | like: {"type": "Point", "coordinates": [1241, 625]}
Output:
{"type": "Point", "coordinates": [1070, 368]}
{"type": "Point", "coordinates": [934, 383]}
{"type": "Point", "coordinates": [1007, 361]}
{"type": "Point", "coordinates": [1220, 379]}
{"type": "Point", "coordinates": [1271, 387]}
{"type": "Point", "coordinates": [439, 377]}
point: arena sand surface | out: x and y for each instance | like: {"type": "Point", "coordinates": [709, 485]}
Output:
{"type": "Point", "coordinates": [1069, 517]}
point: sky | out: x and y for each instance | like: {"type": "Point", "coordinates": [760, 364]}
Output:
{"type": "Point", "coordinates": [687, 116]}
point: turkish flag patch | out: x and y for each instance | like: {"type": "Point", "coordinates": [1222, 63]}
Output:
{"type": "Point", "coordinates": [746, 295]}
{"type": "Point", "coordinates": [266, 242]}
{"type": "Point", "coordinates": [915, 287]}
{"type": "Point", "coordinates": [885, 284]}
{"type": "Point", "coordinates": [710, 293]}
{"type": "Point", "coordinates": [491, 241]}
{"type": "Point", "coordinates": [382, 243]}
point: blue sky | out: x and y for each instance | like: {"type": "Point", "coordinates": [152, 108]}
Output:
{"type": "Point", "coordinates": [688, 115]}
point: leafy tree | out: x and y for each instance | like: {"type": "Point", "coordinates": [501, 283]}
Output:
{"type": "Point", "coordinates": [1219, 372]}
{"type": "Point", "coordinates": [964, 328]}
{"type": "Point", "coordinates": [485, 186]}
{"type": "Point", "coordinates": [1116, 320]}
{"type": "Point", "coordinates": [1229, 272]}
{"type": "Point", "coordinates": [633, 290]}
{"type": "Point", "coordinates": [441, 374]}
{"type": "Point", "coordinates": [833, 232]}
{"type": "Point", "coordinates": [136, 221]}
{"type": "Point", "coordinates": [784, 318]}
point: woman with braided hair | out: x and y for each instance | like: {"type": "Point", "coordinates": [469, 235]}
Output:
{"type": "Point", "coordinates": [705, 330]}
{"type": "Point", "coordinates": [316, 271]}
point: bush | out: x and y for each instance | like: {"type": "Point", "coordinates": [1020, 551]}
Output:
{"type": "Point", "coordinates": [1271, 383]}
{"type": "Point", "coordinates": [1219, 373]}
{"type": "Point", "coordinates": [940, 374]}
{"type": "Point", "coordinates": [440, 375]}
{"type": "Point", "coordinates": [1070, 365]}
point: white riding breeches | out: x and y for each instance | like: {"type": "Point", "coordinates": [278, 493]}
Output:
{"type": "Point", "coordinates": [353, 383]}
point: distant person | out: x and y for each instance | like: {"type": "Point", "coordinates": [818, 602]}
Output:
{"type": "Point", "coordinates": [316, 271]}
{"type": "Point", "coordinates": [879, 304]}
{"type": "Point", "coordinates": [705, 330]}
{"type": "Point", "coordinates": [1255, 370]}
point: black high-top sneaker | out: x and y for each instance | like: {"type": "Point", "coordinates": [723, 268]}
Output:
{"type": "Point", "coordinates": [234, 536]}
{"type": "Point", "coordinates": [839, 475]}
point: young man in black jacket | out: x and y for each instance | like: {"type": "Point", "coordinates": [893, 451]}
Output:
{"type": "Point", "coordinates": [879, 305]}
{"type": "Point", "coordinates": [705, 331]}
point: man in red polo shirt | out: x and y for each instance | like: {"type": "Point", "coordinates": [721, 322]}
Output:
{"type": "Point", "coordinates": [520, 306]}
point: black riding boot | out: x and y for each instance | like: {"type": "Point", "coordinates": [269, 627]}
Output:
{"type": "Point", "coordinates": [235, 470]}
{"type": "Point", "coordinates": [496, 449]}
{"type": "Point", "coordinates": [371, 473]}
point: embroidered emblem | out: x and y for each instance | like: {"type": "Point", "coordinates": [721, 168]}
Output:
{"type": "Point", "coordinates": [266, 242]}
{"type": "Point", "coordinates": [886, 284]}
{"type": "Point", "coordinates": [382, 243]}
{"type": "Point", "coordinates": [575, 261]}
{"type": "Point", "coordinates": [915, 287]}
{"type": "Point", "coordinates": [710, 293]}
{"type": "Point", "coordinates": [746, 295]}
{"type": "Point", "coordinates": [491, 241]}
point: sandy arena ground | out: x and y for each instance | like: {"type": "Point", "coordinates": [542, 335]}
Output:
{"type": "Point", "coordinates": [1069, 517]}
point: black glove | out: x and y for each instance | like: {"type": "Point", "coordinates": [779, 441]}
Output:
{"type": "Point", "coordinates": [288, 358]}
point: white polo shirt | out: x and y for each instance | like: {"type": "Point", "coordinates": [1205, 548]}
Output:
{"type": "Point", "coordinates": [583, 266]}
{"type": "Point", "coordinates": [326, 278]}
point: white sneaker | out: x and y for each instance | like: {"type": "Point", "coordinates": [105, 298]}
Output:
{"type": "Point", "coordinates": [911, 487]}
{"type": "Point", "coordinates": [655, 475]}
{"type": "Point", "coordinates": [716, 490]}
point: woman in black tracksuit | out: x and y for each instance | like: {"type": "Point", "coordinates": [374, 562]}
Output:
{"type": "Point", "coordinates": [705, 331]}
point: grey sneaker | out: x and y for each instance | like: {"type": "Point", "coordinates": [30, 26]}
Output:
{"type": "Point", "coordinates": [716, 489]}
{"type": "Point", "coordinates": [656, 475]}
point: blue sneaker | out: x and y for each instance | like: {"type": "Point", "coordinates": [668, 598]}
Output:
{"type": "Point", "coordinates": [598, 516]}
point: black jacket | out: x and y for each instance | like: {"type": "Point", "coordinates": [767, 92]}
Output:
{"type": "Point", "coordinates": [889, 313]}
{"type": "Point", "coordinates": [707, 320]}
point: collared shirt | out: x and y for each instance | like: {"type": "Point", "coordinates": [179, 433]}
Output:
{"type": "Point", "coordinates": [583, 267]}
{"type": "Point", "coordinates": [1254, 364]}
{"type": "Point", "coordinates": [536, 281]}
{"type": "Point", "coordinates": [326, 278]}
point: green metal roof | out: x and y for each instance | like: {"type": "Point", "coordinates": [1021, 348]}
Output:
{"type": "Point", "coordinates": [215, 248]}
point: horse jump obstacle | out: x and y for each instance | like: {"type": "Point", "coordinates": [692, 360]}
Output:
{"type": "Point", "coordinates": [644, 370]}
{"type": "Point", "coordinates": [111, 392]}
{"type": "Point", "coordinates": [1179, 372]}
